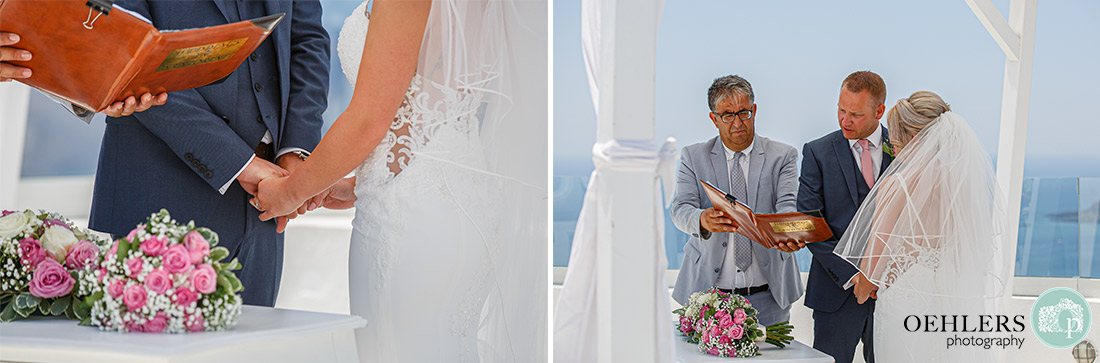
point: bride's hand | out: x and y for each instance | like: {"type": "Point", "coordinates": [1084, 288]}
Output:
{"type": "Point", "coordinates": [341, 195]}
{"type": "Point", "coordinates": [273, 197]}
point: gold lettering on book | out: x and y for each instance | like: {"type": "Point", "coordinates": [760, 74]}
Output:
{"type": "Point", "coordinates": [203, 54]}
{"type": "Point", "coordinates": [793, 226]}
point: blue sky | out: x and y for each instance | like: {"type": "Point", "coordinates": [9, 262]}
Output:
{"type": "Point", "coordinates": [796, 53]}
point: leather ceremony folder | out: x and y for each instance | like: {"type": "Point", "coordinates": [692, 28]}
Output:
{"type": "Point", "coordinates": [767, 229]}
{"type": "Point", "coordinates": [91, 53]}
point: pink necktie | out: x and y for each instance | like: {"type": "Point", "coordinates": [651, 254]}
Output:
{"type": "Point", "coordinates": [865, 164]}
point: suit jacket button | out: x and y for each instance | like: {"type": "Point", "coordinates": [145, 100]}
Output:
{"type": "Point", "coordinates": [258, 87]}
{"type": "Point", "coordinates": [716, 270]}
{"type": "Point", "coordinates": [195, 163]}
{"type": "Point", "coordinates": [188, 156]}
{"type": "Point", "coordinates": [724, 244]}
{"type": "Point", "coordinates": [208, 174]}
{"type": "Point", "coordinates": [202, 168]}
{"type": "Point", "coordinates": [259, 119]}
{"type": "Point", "coordinates": [225, 118]}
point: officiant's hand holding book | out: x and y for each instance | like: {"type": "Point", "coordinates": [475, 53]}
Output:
{"type": "Point", "coordinates": [94, 57]}
{"type": "Point", "coordinates": [779, 230]}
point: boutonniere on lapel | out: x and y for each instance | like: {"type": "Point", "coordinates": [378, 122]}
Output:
{"type": "Point", "coordinates": [887, 147]}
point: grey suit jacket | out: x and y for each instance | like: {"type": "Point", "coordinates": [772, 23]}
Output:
{"type": "Point", "coordinates": [772, 188]}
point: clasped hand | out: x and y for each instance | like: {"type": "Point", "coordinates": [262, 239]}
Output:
{"type": "Point", "coordinates": [864, 288]}
{"type": "Point", "coordinates": [276, 198]}
{"type": "Point", "coordinates": [716, 221]}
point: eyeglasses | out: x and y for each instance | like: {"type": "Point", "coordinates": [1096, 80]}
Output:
{"type": "Point", "coordinates": [744, 115]}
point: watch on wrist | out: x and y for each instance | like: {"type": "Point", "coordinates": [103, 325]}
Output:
{"type": "Point", "coordinates": [300, 154]}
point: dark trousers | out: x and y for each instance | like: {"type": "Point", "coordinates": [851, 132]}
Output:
{"type": "Point", "coordinates": [837, 333]}
{"type": "Point", "coordinates": [252, 242]}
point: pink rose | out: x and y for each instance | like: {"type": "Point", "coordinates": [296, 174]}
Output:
{"type": "Point", "coordinates": [714, 330]}
{"type": "Point", "coordinates": [135, 264]}
{"type": "Point", "coordinates": [686, 324]}
{"type": "Point", "coordinates": [705, 337]}
{"type": "Point", "coordinates": [102, 274]}
{"type": "Point", "coordinates": [83, 254]}
{"type": "Point", "coordinates": [197, 246]}
{"type": "Point", "coordinates": [197, 324]}
{"type": "Point", "coordinates": [116, 288]}
{"type": "Point", "coordinates": [51, 280]}
{"type": "Point", "coordinates": [713, 351]}
{"type": "Point", "coordinates": [32, 252]}
{"type": "Point", "coordinates": [154, 245]}
{"type": "Point", "coordinates": [134, 327]}
{"type": "Point", "coordinates": [134, 297]}
{"type": "Point", "coordinates": [185, 297]}
{"type": "Point", "coordinates": [156, 324]}
{"type": "Point", "coordinates": [133, 233]}
{"type": "Point", "coordinates": [739, 316]}
{"type": "Point", "coordinates": [177, 260]}
{"type": "Point", "coordinates": [723, 339]}
{"type": "Point", "coordinates": [725, 321]}
{"type": "Point", "coordinates": [158, 281]}
{"type": "Point", "coordinates": [204, 279]}
{"type": "Point", "coordinates": [736, 332]}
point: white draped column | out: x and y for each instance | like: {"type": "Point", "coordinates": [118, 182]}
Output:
{"type": "Point", "coordinates": [14, 98]}
{"type": "Point", "coordinates": [628, 244]}
{"type": "Point", "coordinates": [1016, 37]}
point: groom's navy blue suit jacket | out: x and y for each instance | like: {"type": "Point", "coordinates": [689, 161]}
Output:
{"type": "Point", "coordinates": [831, 182]}
{"type": "Point", "coordinates": [179, 155]}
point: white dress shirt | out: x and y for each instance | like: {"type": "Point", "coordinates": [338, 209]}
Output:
{"type": "Point", "coordinates": [730, 276]}
{"type": "Point", "coordinates": [875, 147]}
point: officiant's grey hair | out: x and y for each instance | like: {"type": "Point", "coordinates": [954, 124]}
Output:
{"type": "Point", "coordinates": [725, 87]}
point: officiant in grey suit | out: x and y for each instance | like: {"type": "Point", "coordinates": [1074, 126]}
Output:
{"type": "Point", "coordinates": [761, 173]}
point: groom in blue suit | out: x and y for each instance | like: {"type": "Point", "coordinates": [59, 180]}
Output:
{"type": "Point", "coordinates": [838, 170]}
{"type": "Point", "coordinates": [202, 153]}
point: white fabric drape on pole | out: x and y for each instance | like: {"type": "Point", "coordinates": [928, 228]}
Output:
{"type": "Point", "coordinates": [614, 302]}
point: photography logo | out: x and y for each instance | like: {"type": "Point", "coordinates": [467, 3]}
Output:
{"type": "Point", "coordinates": [1061, 318]}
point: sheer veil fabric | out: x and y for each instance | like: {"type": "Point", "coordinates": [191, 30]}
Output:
{"type": "Point", "coordinates": [448, 254]}
{"type": "Point", "coordinates": [929, 234]}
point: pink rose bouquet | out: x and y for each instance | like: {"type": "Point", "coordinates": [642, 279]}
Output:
{"type": "Point", "coordinates": [725, 325]}
{"type": "Point", "coordinates": [41, 257]}
{"type": "Point", "coordinates": [164, 277]}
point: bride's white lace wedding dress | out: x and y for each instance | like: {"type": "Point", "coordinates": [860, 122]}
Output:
{"type": "Point", "coordinates": [429, 262]}
{"type": "Point", "coordinates": [929, 235]}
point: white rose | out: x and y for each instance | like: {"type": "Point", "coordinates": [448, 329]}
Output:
{"type": "Point", "coordinates": [58, 240]}
{"type": "Point", "coordinates": [12, 224]}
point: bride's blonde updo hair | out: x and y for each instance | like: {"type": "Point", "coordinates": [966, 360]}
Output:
{"type": "Point", "coordinates": [910, 115]}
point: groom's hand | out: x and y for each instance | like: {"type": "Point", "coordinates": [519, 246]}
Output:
{"type": "Point", "coordinates": [864, 288]}
{"type": "Point", "coordinates": [256, 171]}
{"type": "Point", "coordinates": [9, 71]}
{"type": "Point", "coordinates": [716, 221]}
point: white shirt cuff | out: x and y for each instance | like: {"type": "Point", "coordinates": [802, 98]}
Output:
{"type": "Point", "coordinates": [234, 178]}
{"type": "Point", "coordinates": [286, 150]}
{"type": "Point", "coordinates": [851, 281]}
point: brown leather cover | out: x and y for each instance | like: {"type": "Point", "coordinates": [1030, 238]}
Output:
{"type": "Point", "coordinates": [122, 55]}
{"type": "Point", "coordinates": [767, 229]}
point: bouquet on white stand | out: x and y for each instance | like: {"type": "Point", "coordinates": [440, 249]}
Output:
{"type": "Point", "coordinates": [164, 277]}
{"type": "Point", "coordinates": [725, 325]}
{"type": "Point", "coordinates": [41, 258]}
